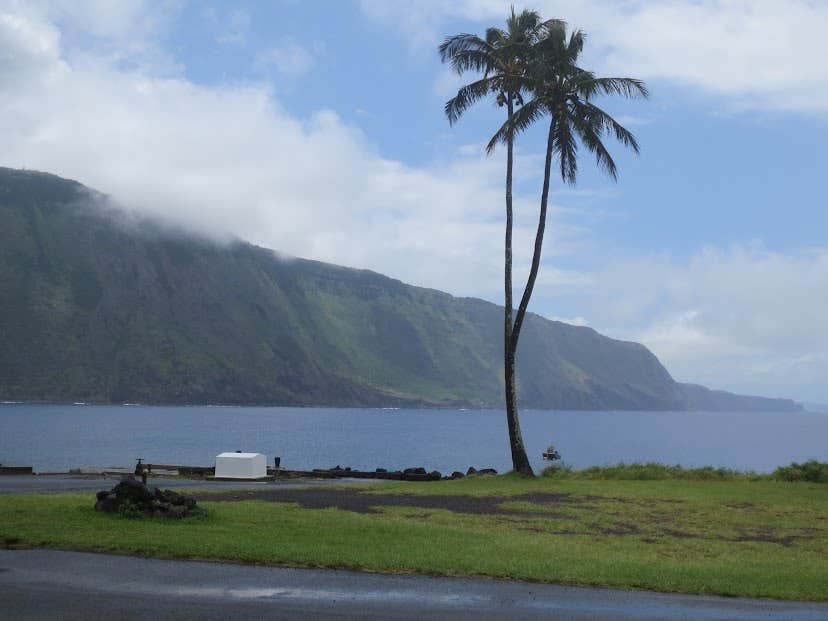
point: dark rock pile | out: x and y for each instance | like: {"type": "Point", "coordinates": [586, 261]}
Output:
{"type": "Point", "coordinates": [472, 471]}
{"type": "Point", "coordinates": [420, 474]}
{"type": "Point", "coordinates": [409, 474]}
{"type": "Point", "coordinates": [131, 497]}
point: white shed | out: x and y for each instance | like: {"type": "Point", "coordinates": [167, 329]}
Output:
{"type": "Point", "coordinates": [241, 466]}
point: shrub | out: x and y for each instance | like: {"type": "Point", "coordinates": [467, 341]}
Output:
{"type": "Point", "coordinates": [812, 471]}
{"type": "Point", "coordinates": [649, 471]}
{"type": "Point", "coordinates": [557, 471]}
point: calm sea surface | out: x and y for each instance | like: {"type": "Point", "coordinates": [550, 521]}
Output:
{"type": "Point", "coordinates": [59, 437]}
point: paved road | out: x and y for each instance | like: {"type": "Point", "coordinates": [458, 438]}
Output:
{"type": "Point", "coordinates": [48, 584]}
{"type": "Point", "coordinates": [20, 484]}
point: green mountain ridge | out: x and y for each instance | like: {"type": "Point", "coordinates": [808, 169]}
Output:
{"type": "Point", "coordinates": [99, 306]}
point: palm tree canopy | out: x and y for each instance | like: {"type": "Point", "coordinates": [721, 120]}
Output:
{"type": "Point", "coordinates": [565, 92]}
{"type": "Point", "coordinates": [501, 57]}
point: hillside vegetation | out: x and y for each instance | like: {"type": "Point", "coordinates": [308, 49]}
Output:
{"type": "Point", "coordinates": [99, 306]}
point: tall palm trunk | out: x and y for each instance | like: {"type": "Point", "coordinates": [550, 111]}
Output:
{"type": "Point", "coordinates": [520, 462]}
{"type": "Point", "coordinates": [518, 450]}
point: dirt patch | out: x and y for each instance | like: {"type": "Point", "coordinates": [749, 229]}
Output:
{"type": "Point", "coordinates": [766, 535]}
{"type": "Point", "coordinates": [620, 528]}
{"type": "Point", "coordinates": [359, 502]}
{"type": "Point", "coordinates": [647, 502]}
{"type": "Point", "coordinates": [742, 506]}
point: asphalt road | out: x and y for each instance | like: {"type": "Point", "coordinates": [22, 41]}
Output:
{"type": "Point", "coordinates": [48, 584]}
{"type": "Point", "coordinates": [41, 483]}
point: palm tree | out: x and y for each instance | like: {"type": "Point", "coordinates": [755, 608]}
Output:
{"type": "Point", "coordinates": [502, 57]}
{"type": "Point", "coordinates": [565, 92]}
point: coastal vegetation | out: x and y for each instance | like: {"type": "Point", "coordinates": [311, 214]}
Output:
{"type": "Point", "coordinates": [535, 58]}
{"type": "Point", "coordinates": [728, 535]}
{"type": "Point", "coordinates": [811, 471]}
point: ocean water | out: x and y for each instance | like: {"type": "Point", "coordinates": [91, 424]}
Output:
{"type": "Point", "coordinates": [60, 437]}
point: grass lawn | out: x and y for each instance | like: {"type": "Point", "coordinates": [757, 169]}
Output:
{"type": "Point", "coordinates": [735, 537]}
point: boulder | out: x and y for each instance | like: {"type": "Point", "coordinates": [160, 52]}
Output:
{"type": "Point", "coordinates": [487, 471]}
{"type": "Point", "coordinates": [133, 490]}
{"type": "Point", "coordinates": [108, 503]}
{"type": "Point", "coordinates": [419, 474]}
{"type": "Point", "coordinates": [472, 470]}
{"type": "Point", "coordinates": [457, 475]}
{"type": "Point", "coordinates": [170, 497]}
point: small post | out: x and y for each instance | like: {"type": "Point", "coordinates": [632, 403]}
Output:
{"type": "Point", "coordinates": [141, 470]}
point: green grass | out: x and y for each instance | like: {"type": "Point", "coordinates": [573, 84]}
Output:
{"type": "Point", "coordinates": [730, 537]}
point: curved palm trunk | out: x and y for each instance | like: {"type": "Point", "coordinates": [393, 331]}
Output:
{"type": "Point", "coordinates": [527, 293]}
{"type": "Point", "coordinates": [533, 272]}
{"type": "Point", "coordinates": [520, 462]}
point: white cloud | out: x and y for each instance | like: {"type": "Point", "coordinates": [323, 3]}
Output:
{"type": "Point", "coordinates": [230, 160]}
{"type": "Point", "coordinates": [290, 58]}
{"type": "Point", "coordinates": [755, 53]}
{"type": "Point", "coordinates": [574, 321]}
{"type": "Point", "coordinates": [630, 120]}
{"type": "Point", "coordinates": [237, 25]}
{"type": "Point", "coordinates": [29, 51]}
{"type": "Point", "coordinates": [742, 318]}
{"type": "Point", "coordinates": [122, 20]}
{"type": "Point", "coordinates": [418, 21]}
{"type": "Point", "coordinates": [124, 32]}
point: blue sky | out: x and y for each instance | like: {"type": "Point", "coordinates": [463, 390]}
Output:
{"type": "Point", "coordinates": [316, 128]}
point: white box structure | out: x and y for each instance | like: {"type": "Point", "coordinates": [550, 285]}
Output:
{"type": "Point", "coordinates": [241, 466]}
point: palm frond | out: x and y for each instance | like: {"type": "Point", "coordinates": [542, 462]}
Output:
{"type": "Point", "coordinates": [466, 96]}
{"type": "Point", "coordinates": [523, 25]}
{"type": "Point", "coordinates": [460, 43]}
{"type": "Point", "coordinates": [610, 125]}
{"type": "Point", "coordinates": [576, 44]}
{"type": "Point", "coordinates": [549, 25]}
{"type": "Point", "coordinates": [494, 36]}
{"type": "Point", "coordinates": [480, 61]}
{"type": "Point", "coordinates": [626, 87]}
{"type": "Point", "coordinates": [552, 61]}
{"type": "Point", "coordinates": [590, 131]}
{"type": "Point", "coordinates": [524, 118]}
{"type": "Point", "coordinates": [565, 146]}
